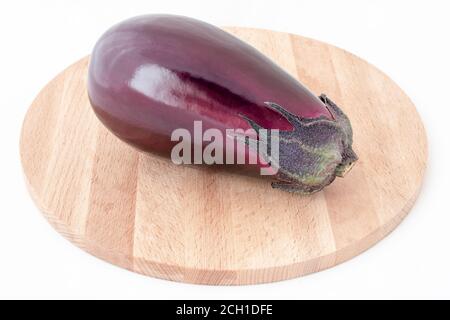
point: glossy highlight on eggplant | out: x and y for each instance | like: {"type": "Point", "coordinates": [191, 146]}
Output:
{"type": "Point", "coordinates": [153, 74]}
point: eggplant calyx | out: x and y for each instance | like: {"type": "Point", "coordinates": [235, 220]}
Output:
{"type": "Point", "coordinates": [349, 156]}
{"type": "Point", "coordinates": [314, 153]}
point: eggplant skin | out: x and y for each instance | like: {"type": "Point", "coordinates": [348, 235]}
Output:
{"type": "Point", "coordinates": [152, 74]}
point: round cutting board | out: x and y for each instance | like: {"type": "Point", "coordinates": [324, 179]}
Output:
{"type": "Point", "coordinates": [145, 214]}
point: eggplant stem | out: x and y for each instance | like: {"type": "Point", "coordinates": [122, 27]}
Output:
{"type": "Point", "coordinates": [313, 154]}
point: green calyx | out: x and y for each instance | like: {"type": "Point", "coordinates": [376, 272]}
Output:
{"type": "Point", "coordinates": [312, 154]}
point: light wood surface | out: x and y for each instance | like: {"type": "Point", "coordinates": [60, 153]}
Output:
{"type": "Point", "coordinates": [143, 213]}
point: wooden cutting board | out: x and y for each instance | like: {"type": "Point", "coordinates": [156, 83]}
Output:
{"type": "Point", "coordinates": [145, 214]}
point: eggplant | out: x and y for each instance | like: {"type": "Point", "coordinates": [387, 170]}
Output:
{"type": "Point", "coordinates": [153, 74]}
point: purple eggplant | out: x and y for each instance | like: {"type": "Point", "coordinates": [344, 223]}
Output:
{"type": "Point", "coordinates": [153, 74]}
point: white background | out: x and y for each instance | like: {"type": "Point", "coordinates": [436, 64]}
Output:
{"type": "Point", "coordinates": [409, 40]}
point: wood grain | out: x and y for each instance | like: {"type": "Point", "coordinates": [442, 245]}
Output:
{"type": "Point", "coordinates": [143, 213]}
